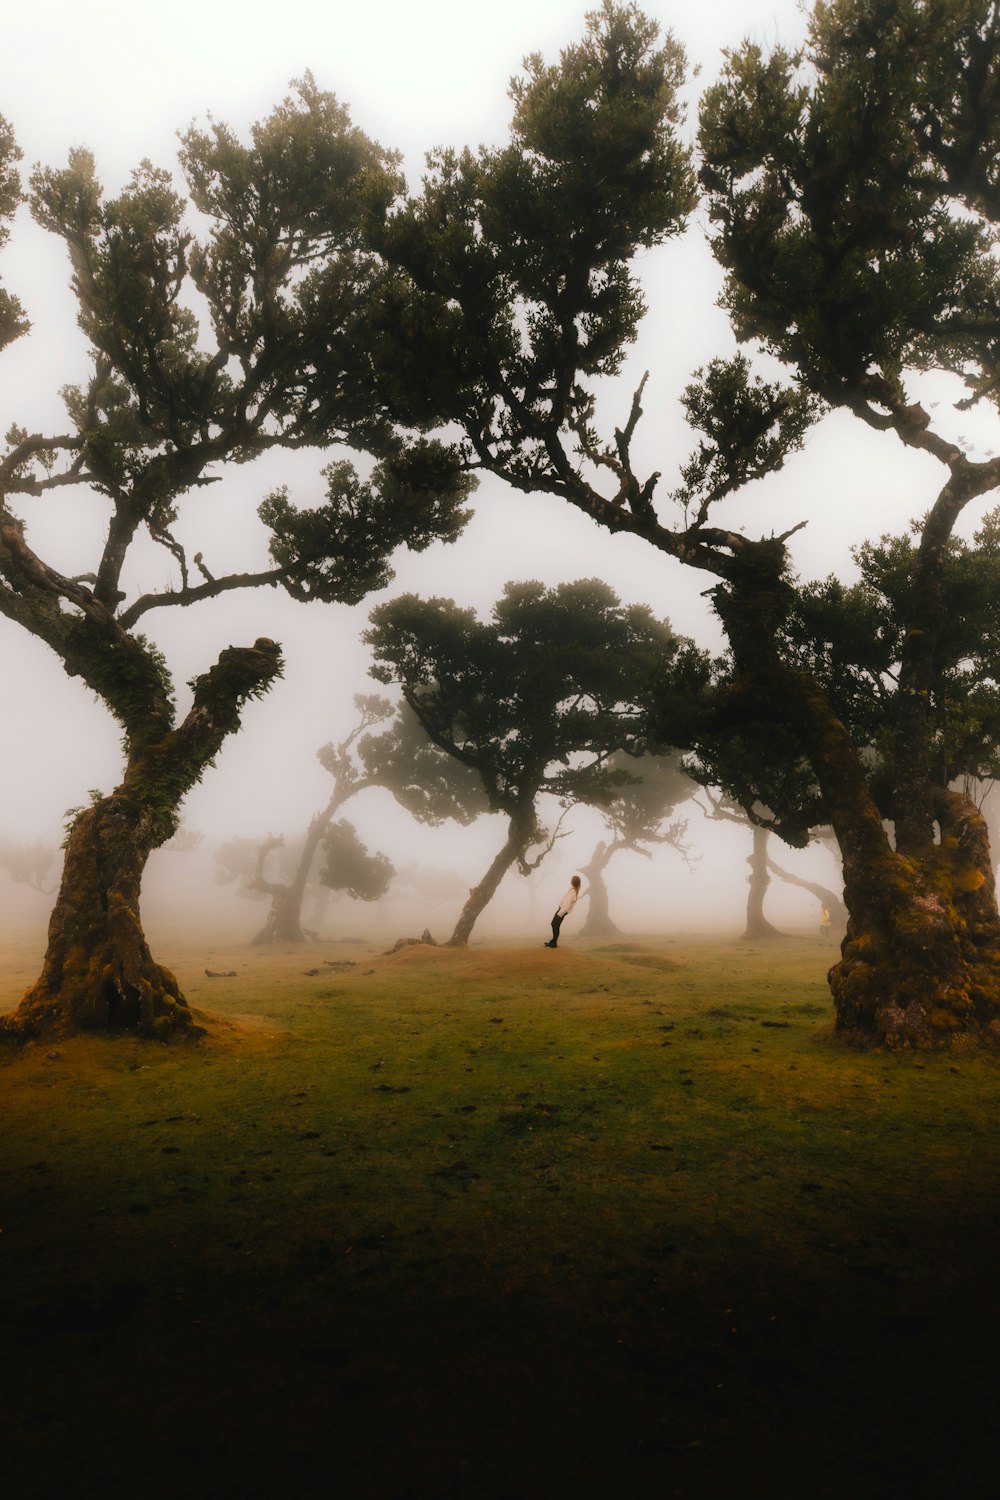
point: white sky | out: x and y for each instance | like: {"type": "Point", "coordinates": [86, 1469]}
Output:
{"type": "Point", "coordinates": [122, 77]}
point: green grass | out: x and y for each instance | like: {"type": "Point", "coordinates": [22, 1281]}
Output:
{"type": "Point", "coordinates": [616, 1221]}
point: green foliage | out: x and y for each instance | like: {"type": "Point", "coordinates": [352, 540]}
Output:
{"type": "Point", "coordinates": [307, 153]}
{"type": "Point", "coordinates": [750, 427]}
{"type": "Point", "coordinates": [287, 274]}
{"type": "Point", "coordinates": [340, 550]}
{"type": "Point", "coordinates": [430, 784]}
{"type": "Point", "coordinates": [10, 178]}
{"type": "Point", "coordinates": [215, 339]}
{"type": "Point", "coordinates": [288, 268]}
{"type": "Point", "coordinates": [538, 698]}
{"type": "Point", "coordinates": [853, 639]}
{"type": "Point", "coordinates": [519, 257]}
{"type": "Point", "coordinates": [637, 812]}
{"type": "Point", "coordinates": [12, 320]}
{"type": "Point", "coordinates": [129, 259]}
{"type": "Point", "coordinates": [240, 675]}
{"type": "Point", "coordinates": [95, 797]}
{"type": "Point", "coordinates": [761, 764]}
{"type": "Point", "coordinates": [855, 203]}
{"type": "Point", "coordinates": [401, 759]}
{"type": "Point", "coordinates": [350, 868]}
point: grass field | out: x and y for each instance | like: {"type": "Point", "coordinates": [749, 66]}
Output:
{"type": "Point", "coordinates": [620, 1220]}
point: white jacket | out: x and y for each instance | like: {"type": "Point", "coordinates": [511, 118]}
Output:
{"type": "Point", "coordinates": [568, 902]}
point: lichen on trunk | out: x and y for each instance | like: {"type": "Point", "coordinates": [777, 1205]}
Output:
{"type": "Point", "coordinates": [99, 974]}
{"type": "Point", "coordinates": [920, 963]}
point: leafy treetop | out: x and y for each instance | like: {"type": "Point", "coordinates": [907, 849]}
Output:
{"type": "Point", "coordinates": [536, 699]}
{"type": "Point", "coordinates": [275, 245]}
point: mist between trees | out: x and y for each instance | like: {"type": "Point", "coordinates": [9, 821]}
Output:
{"type": "Point", "coordinates": [301, 298]}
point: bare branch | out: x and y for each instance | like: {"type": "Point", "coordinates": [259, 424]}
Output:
{"type": "Point", "coordinates": [526, 865]}
{"type": "Point", "coordinates": [187, 596]}
{"type": "Point", "coordinates": [162, 536]}
{"type": "Point", "coordinates": [33, 447]}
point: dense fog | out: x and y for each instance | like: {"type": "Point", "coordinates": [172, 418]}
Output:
{"type": "Point", "coordinates": [412, 79]}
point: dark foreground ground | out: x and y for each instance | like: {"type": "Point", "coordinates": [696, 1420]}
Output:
{"type": "Point", "coordinates": [468, 1227]}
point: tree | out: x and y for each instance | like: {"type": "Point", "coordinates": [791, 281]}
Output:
{"type": "Point", "coordinates": [860, 211]}
{"type": "Point", "coordinates": [635, 818]}
{"type": "Point", "coordinates": [184, 840]}
{"type": "Point", "coordinates": [754, 775]}
{"type": "Point", "coordinates": [276, 357]}
{"type": "Point", "coordinates": [722, 809]}
{"type": "Point", "coordinates": [28, 864]}
{"type": "Point", "coordinates": [348, 866]}
{"type": "Point", "coordinates": [762, 867]}
{"type": "Point", "coordinates": [852, 639]}
{"type": "Point", "coordinates": [828, 899]}
{"type": "Point", "coordinates": [535, 701]}
{"type": "Point", "coordinates": [854, 193]}
{"type": "Point", "coordinates": [400, 759]}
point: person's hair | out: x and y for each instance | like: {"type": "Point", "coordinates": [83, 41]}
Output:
{"type": "Point", "coordinates": [575, 880]}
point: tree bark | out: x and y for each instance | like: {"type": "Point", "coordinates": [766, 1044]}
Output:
{"type": "Point", "coordinates": [98, 972]}
{"type": "Point", "coordinates": [599, 923]}
{"type": "Point", "coordinates": [284, 920]}
{"type": "Point", "coordinates": [519, 838]}
{"type": "Point", "coordinates": [920, 962]}
{"type": "Point", "coordinates": [759, 879]}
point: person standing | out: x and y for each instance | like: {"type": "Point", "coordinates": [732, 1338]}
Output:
{"type": "Point", "coordinates": [563, 910]}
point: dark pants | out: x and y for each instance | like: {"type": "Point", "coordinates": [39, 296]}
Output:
{"type": "Point", "coordinates": [557, 922]}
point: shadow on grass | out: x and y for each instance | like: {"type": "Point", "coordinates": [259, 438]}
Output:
{"type": "Point", "coordinates": [615, 1230]}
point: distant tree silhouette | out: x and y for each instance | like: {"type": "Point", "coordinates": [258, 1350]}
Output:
{"type": "Point", "coordinates": [28, 864]}
{"type": "Point", "coordinates": [424, 780]}
{"type": "Point", "coordinates": [636, 818]}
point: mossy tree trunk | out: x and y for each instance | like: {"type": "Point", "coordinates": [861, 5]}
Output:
{"type": "Point", "coordinates": [920, 961]}
{"type": "Point", "coordinates": [98, 972]}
